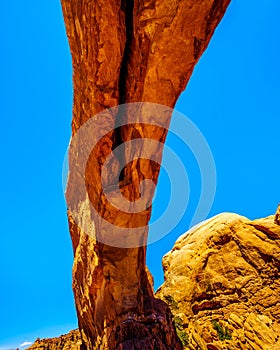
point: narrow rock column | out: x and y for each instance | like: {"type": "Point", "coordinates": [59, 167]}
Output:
{"type": "Point", "coordinates": [122, 52]}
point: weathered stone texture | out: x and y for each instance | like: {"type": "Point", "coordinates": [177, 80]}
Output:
{"type": "Point", "coordinates": [226, 270]}
{"type": "Point", "coordinates": [125, 51]}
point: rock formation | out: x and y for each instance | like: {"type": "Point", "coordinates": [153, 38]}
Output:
{"type": "Point", "coordinates": [122, 52]}
{"type": "Point", "coordinates": [222, 284]}
{"type": "Point", "coordinates": [70, 341]}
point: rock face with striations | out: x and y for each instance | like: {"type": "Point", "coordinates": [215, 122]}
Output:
{"type": "Point", "coordinates": [124, 51]}
{"type": "Point", "coordinates": [222, 284]}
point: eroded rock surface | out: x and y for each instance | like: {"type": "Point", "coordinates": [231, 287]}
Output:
{"type": "Point", "coordinates": [70, 341]}
{"type": "Point", "coordinates": [222, 284]}
{"type": "Point", "coordinates": [124, 51]}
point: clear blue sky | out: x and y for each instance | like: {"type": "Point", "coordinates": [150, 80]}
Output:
{"type": "Point", "coordinates": [233, 97]}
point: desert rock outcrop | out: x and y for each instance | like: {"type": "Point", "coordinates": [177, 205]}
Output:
{"type": "Point", "coordinates": [222, 284]}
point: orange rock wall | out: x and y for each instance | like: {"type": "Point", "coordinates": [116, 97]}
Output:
{"type": "Point", "coordinates": [125, 51]}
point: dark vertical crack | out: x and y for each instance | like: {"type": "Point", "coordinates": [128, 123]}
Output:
{"type": "Point", "coordinates": [127, 6]}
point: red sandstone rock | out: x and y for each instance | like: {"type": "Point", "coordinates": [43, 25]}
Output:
{"type": "Point", "coordinates": [124, 51]}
